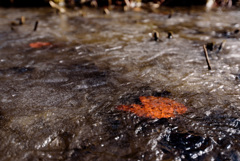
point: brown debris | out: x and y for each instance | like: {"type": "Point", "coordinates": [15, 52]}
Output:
{"type": "Point", "coordinates": [206, 56]}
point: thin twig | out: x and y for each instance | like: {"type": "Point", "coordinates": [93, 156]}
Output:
{"type": "Point", "coordinates": [170, 35]}
{"type": "Point", "coordinates": [155, 35]}
{"type": "Point", "coordinates": [35, 26]}
{"type": "Point", "coordinates": [106, 11]}
{"type": "Point", "coordinates": [22, 20]}
{"type": "Point", "coordinates": [206, 55]}
{"type": "Point", "coordinates": [221, 46]}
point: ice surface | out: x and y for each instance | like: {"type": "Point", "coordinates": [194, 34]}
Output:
{"type": "Point", "coordinates": [59, 102]}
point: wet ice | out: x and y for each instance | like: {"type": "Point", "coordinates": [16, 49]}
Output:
{"type": "Point", "coordinates": [60, 102]}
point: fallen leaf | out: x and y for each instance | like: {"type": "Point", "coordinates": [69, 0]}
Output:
{"type": "Point", "coordinates": [39, 44]}
{"type": "Point", "coordinates": [155, 107]}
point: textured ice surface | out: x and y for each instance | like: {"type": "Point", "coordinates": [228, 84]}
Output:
{"type": "Point", "coordinates": [59, 102]}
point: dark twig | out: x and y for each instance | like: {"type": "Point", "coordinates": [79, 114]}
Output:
{"type": "Point", "coordinates": [155, 35]}
{"type": "Point", "coordinates": [221, 46]}
{"type": "Point", "coordinates": [35, 26]}
{"type": "Point", "coordinates": [206, 55]}
{"type": "Point", "coordinates": [170, 35]}
{"type": "Point", "coordinates": [210, 46]}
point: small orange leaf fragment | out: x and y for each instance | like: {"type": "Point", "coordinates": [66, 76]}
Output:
{"type": "Point", "coordinates": [155, 107]}
{"type": "Point", "coordinates": [39, 44]}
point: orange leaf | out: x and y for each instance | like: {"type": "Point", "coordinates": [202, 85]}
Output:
{"type": "Point", "coordinates": [39, 44]}
{"type": "Point", "coordinates": [155, 107]}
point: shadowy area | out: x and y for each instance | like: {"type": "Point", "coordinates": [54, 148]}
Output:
{"type": "Point", "coordinates": [105, 3]}
{"type": "Point", "coordinates": [184, 2]}
{"type": "Point", "coordinates": [24, 3]}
